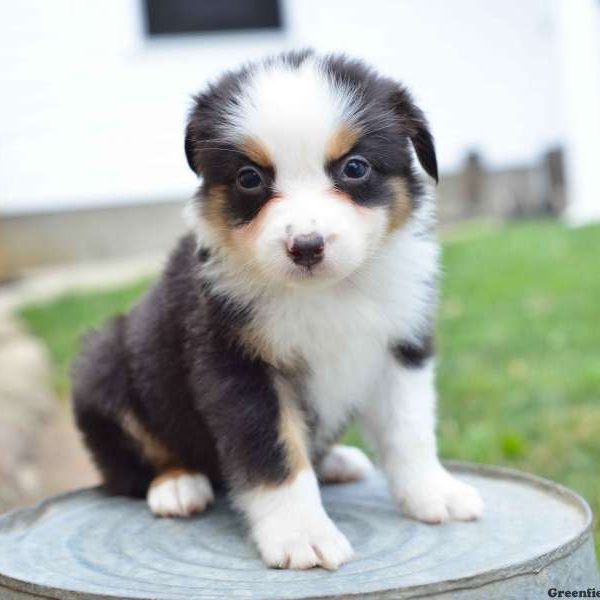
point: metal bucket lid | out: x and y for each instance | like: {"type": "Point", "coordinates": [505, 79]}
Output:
{"type": "Point", "coordinates": [85, 544]}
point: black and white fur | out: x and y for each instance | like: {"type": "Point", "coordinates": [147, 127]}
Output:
{"type": "Point", "coordinates": [244, 363]}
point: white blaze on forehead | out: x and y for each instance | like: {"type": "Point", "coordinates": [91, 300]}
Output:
{"type": "Point", "coordinates": [293, 112]}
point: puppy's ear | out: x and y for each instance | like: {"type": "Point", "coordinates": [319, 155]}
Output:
{"type": "Point", "coordinates": [189, 147]}
{"type": "Point", "coordinates": [416, 125]}
{"type": "Point", "coordinates": [195, 131]}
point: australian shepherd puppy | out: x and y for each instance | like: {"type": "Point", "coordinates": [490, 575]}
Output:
{"type": "Point", "coordinates": [304, 298]}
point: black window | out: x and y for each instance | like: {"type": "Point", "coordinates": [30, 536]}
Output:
{"type": "Point", "coordinates": [164, 17]}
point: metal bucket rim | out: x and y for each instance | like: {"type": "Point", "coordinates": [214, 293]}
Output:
{"type": "Point", "coordinates": [532, 565]}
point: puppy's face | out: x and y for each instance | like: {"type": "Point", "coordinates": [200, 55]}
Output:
{"type": "Point", "coordinates": [306, 165]}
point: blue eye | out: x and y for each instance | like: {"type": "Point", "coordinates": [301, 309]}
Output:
{"type": "Point", "coordinates": [249, 179]}
{"type": "Point", "coordinates": [356, 167]}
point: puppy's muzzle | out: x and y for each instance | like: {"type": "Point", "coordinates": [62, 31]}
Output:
{"type": "Point", "coordinates": [307, 249]}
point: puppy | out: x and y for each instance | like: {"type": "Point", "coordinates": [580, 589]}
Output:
{"type": "Point", "coordinates": [304, 298]}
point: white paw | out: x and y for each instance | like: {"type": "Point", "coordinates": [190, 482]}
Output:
{"type": "Point", "coordinates": [285, 544]}
{"type": "Point", "coordinates": [344, 463]}
{"type": "Point", "coordinates": [290, 525]}
{"type": "Point", "coordinates": [179, 495]}
{"type": "Point", "coordinates": [436, 496]}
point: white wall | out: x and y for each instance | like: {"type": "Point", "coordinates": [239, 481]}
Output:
{"type": "Point", "coordinates": [579, 43]}
{"type": "Point", "coordinates": [92, 112]}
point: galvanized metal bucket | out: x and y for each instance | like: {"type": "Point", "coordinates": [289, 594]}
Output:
{"type": "Point", "coordinates": [535, 536]}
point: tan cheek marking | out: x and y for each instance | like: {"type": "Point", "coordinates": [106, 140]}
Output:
{"type": "Point", "coordinates": [341, 142]}
{"type": "Point", "coordinates": [256, 151]}
{"type": "Point", "coordinates": [251, 230]}
{"type": "Point", "coordinates": [213, 210]}
{"type": "Point", "coordinates": [244, 239]}
{"type": "Point", "coordinates": [401, 205]}
{"type": "Point", "coordinates": [152, 449]}
{"type": "Point", "coordinates": [399, 210]}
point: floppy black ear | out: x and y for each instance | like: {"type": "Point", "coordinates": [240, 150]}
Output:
{"type": "Point", "coordinates": [417, 127]}
{"type": "Point", "coordinates": [195, 130]}
{"type": "Point", "coordinates": [189, 147]}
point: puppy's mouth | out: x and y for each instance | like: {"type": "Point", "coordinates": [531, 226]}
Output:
{"type": "Point", "coordinates": [311, 275]}
{"type": "Point", "coordinates": [306, 272]}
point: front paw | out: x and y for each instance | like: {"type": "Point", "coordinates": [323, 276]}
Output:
{"type": "Point", "coordinates": [287, 544]}
{"type": "Point", "coordinates": [435, 496]}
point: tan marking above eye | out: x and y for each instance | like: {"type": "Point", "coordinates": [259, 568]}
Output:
{"type": "Point", "coordinates": [257, 152]}
{"type": "Point", "coordinates": [341, 142]}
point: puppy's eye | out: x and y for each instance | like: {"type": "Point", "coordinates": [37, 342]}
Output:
{"type": "Point", "coordinates": [249, 179]}
{"type": "Point", "coordinates": [356, 167]}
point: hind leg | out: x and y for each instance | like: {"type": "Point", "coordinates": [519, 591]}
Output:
{"type": "Point", "coordinates": [344, 463]}
{"type": "Point", "coordinates": [179, 493]}
{"type": "Point", "coordinates": [127, 469]}
{"type": "Point", "coordinates": [101, 402]}
{"type": "Point", "coordinates": [116, 455]}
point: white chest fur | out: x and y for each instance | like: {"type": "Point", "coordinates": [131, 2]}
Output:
{"type": "Point", "coordinates": [343, 333]}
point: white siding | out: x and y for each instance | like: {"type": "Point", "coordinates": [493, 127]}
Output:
{"type": "Point", "coordinates": [579, 36]}
{"type": "Point", "coordinates": [91, 112]}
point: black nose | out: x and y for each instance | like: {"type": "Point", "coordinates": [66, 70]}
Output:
{"type": "Point", "coordinates": [308, 249]}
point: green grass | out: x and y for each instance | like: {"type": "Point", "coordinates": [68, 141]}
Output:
{"type": "Point", "coordinates": [62, 322]}
{"type": "Point", "coordinates": [519, 348]}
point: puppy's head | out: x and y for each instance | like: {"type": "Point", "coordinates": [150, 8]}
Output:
{"type": "Point", "coordinates": [306, 165]}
